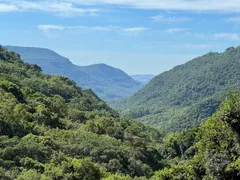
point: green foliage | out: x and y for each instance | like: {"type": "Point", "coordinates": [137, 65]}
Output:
{"type": "Point", "coordinates": [187, 95]}
{"type": "Point", "coordinates": [31, 174]}
{"type": "Point", "coordinates": [176, 144]}
{"type": "Point", "coordinates": [175, 173]}
{"type": "Point", "coordinates": [117, 177]}
{"type": "Point", "coordinates": [3, 176]}
{"type": "Point", "coordinates": [216, 148]}
{"type": "Point", "coordinates": [52, 129]}
{"type": "Point", "coordinates": [231, 111]}
{"type": "Point", "coordinates": [71, 169]}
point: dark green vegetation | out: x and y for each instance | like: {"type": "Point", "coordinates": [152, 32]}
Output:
{"type": "Point", "coordinates": [215, 153]}
{"type": "Point", "coordinates": [188, 94]}
{"type": "Point", "coordinates": [107, 82]}
{"type": "Point", "coordinates": [50, 129]}
{"type": "Point", "coordinates": [143, 78]}
{"type": "Point", "coordinates": [49, 125]}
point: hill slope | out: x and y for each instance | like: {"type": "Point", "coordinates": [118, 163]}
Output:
{"type": "Point", "coordinates": [52, 129]}
{"type": "Point", "coordinates": [208, 152]}
{"type": "Point", "coordinates": [186, 95]}
{"type": "Point", "coordinates": [107, 82]}
{"type": "Point", "coordinates": [143, 78]}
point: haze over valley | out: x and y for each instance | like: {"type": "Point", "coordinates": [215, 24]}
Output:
{"type": "Point", "coordinates": [106, 81]}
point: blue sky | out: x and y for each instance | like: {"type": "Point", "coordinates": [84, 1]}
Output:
{"type": "Point", "coordinates": [137, 36]}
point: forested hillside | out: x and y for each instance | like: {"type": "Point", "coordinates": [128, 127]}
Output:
{"type": "Point", "coordinates": [107, 82]}
{"type": "Point", "coordinates": [50, 129]}
{"type": "Point", "coordinates": [188, 94]}
{"type": "Point", "coordinates": [216, 149]}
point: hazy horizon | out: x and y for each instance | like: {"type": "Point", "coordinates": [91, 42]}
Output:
{"type": "Point", "coordinates": [158, 36]}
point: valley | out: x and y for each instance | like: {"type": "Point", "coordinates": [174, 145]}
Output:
{"type": "Point", "coordinates": [119, 90]}
{"type": "Point", "coordinates": [188, 94]}
{"type": "Point", "coordinates": [67, 132]}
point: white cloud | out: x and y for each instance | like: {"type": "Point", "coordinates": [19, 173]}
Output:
{"type": "Point", "coordinates": [50, 27]}
{"type": "Point", "coordinates": [163, 19]}
{"type": "Point", "coordinates": [60, 8]}
{"type": "Point", "coordinates": [192, 5]}
{"type": "Point", "coordinates": [72, 7]}
{"type": "Point", "coordinates": [135, 29]}
{"type": "Point", "coordinates": [229, 36]}
{"type": "Point", "coordinates": [176, 30]}
{"type": "Point", "coordinates": [132, 30]}
{"type": "Point", "coordinates": [7, 8]}
{"type": "Point", "coordinates": [233, 19]}
{"type": "Point", "coordinates": [67, 9]}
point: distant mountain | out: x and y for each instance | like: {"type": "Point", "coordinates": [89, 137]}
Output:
{"type": "Point", "coordinates": [188, 94]}
{"type": "Point", "coordinates": [107, 82]}
{"type": "Point", "coordinates": [145, 78]}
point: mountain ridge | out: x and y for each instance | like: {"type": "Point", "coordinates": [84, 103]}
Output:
{"type": "Point", "coordinates": [67, 132]}
{"type": "Point", "coordinates": [108, 82]}
{"type": "Point", "coordinates": [189, 91]}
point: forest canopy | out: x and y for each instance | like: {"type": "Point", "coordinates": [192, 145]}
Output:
{"type": "Point", "coordinates": [52, 129]}
{"type": "Point", "coordinates": [187, 95]}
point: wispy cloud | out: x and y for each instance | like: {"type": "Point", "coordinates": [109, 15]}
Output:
{"type": "Point", "coordinates": [132, 30]}
{"type": "Point", "coordinates": [59, 8]}
{"type": "Point", "coordinates": [176, 30]}
{"type": "Point", "coordinates": [189, 5]}
{"type": "Point", "coordinates": [80, 7]}
{"type": "Point", "coordinates": [48, 27]}
{"type": "Point", "coordinates": [233, 19]}
{"type": "Point", "coordinates": [135, 29]}
{"type": "Point", "coordinates": [7, 8]}
{"type": "Point", "coordinates": [228, 36]}
{"type": "Point", "coordinates": [174, 19]}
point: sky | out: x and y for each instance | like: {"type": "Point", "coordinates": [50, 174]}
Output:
{"type": "Point", "coordinates": [137, 36]}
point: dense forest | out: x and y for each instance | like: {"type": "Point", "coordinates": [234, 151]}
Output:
{"type": "Point", "coordinates": [187, 95]}
{"type": "Point", "coordinates": [107, 82]}
{"type": "Point", "coordinates": [51, 129]}
{"type": "Point", "coordinates": [50, 126]}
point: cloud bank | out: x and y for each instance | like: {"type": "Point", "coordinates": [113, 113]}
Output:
{"type": "Point", "coordinates": [192, 5]}
{"type": "Point", "coordinates": [83, 7]}
{"type": "Point", "coordinates": [62, 8]}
